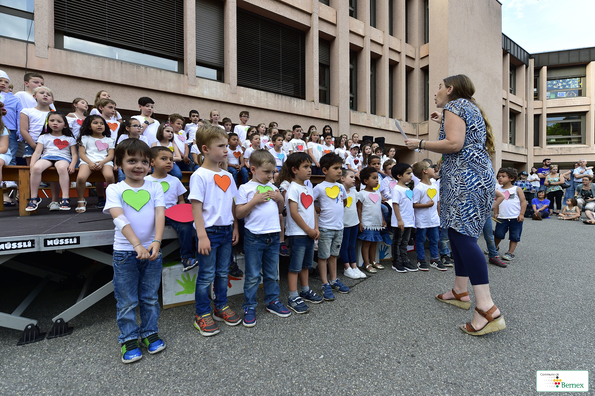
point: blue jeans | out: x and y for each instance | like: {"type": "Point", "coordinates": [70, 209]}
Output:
{"type": "Point", "coordinates": [121, 175]}
{"type": "Point", "coordinates": [443, 243]}
{"type": "Point", "coordinates": [214, 267]}
{"type": "Point", "coordinates": [488, 235]}
{"type": "Point", "coordinates": [348, 253]}
{"type": "Point", "coordinates": [262, 253]}
{"type": "Point", "coordinates": [243, 174]}
{"type": "Point", "coordinates": [186, 237]}
{"type": "Point", "coordinates": [136, 283]}
{"type": "Point", "coordinates": [512, 226]}
{"type": "Point", "coordinates": [175, 171]}
{"type": "Point", "coordinates": [301, 252]}
{"type": "Point", "coordinates": [433, 235]}
{"type": "Point", "coordinates": [13, 146]}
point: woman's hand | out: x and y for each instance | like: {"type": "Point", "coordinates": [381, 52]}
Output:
{"type": "Point", "coordinates": [412, 144]}
{"type": "Point", "coordinates": [436, 116]}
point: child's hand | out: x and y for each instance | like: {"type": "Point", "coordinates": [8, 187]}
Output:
{"type": "Point", "coordinates": [154, 250]}
{"type": "Point", "coordinates": [142, 253]}
{"type": "Point", "coordinates": [237, 167]}
{"type": "Point", "coordinates": [235, 236]}
{"type": "Point", "coordinates": [361, 227]}
{"type": "Point", "coordinates": [204, 246]}
{"type": "Point", "coordinates": [313, 233]}
{"type": "Point", "coordinates": [260, 197]}
{"type": "Point", "coordinates": [276, 196]}
{"type": "Point", "coordinates": [383, 223]}
{"type": "Point", "coordinates": [521, 218]}
{"type": "Point", "coordinates": [431, 203]}
{"type": "Point", "coordinates": [71, 168]}
{"type": "Point", "coordinates": [98, 166]}
{"type": "Point", "coordinates": [186, 160]}
{"type": "Point", "coordinates": [401, 225]}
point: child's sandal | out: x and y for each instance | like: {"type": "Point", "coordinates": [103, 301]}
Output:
{"type": "Point", "coordinates": [65, 204]}
{"type": "Point", "coordinates": [81, 209]}
{"type": "Point", "coordinates": [370, 269]}
{"type": "Point", "coordinates": [377, 265]}
{"type": "Point", "coordinates": [33, 204]}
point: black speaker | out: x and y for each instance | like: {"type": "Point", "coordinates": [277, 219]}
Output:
{"type": "Point", "coordinates": [367, 139]}
{"type": "Point", "coordinates": [380, 141]}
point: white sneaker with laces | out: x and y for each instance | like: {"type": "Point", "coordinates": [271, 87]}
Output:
{"type": "Point", "coordinates": [360, 273]}
{"type": "Point", "coordinates": [349, 272]}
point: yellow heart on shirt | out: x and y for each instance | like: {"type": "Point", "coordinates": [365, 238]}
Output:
{"type": "Point", "coordinates": [332, 192]}
{"type": "Point", "coordinates": [377, 187]}
{"type": "Point", "coordinates": [349, 201]}
{"type": "Point", "coordinates": [432, 193]}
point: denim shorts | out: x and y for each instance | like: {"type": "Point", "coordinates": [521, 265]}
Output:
{"type": "Point", "coordinates": [370, 236]}
{"type": "Point", "coordinates": [329, 243]}
{"type": "Point", "coordinates": [54, 158]}
{"type": "Point", "coordinates": [28, 151]}
{"type": "Point", "coordinates": [301, 252]}
{"type": "Point", "coordinates": [513, 226]}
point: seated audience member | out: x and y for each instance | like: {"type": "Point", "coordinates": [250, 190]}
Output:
{"type": "Point", "coordinates": [585, 197]}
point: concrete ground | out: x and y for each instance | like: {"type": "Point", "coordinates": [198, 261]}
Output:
{"type": "Point", "coordinates": [388, 336]}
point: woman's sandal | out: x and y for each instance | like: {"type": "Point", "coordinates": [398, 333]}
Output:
{"type": "Point", "coordinates": [590, 222]}
{"type": "Point", "coordinates": [455, 301]}
{"type": "Point", "coordinates": [494, 324]}
{"type": "Point", "coordinates": [65, 204]}
{"type": "Point", "coordinates": [370, 269]}
{"type": "Point", "coordinates": [81, 209]}
{"type": "Point", "coordinates": [377, 265]}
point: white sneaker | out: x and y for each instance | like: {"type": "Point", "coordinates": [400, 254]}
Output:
{"type": "Point", "coordinates": [360, 273]}
{"type": "Point", "coordinates": [11, 184]}
{"type": "Point", "coordinates": [72, 184]}
{"type": "Point", "coordinates": [350, 273]}
{"type": "Point", "coordinates": [87, 184]}
{"type": "Point", "coordinates": [54, 206]}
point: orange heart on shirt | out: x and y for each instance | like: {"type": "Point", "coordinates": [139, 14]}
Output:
{"type": "Point", "coordinates": [327, 151]}
{"type": "Point", "coordinates": [61, 144]}
{"type": "Point", "coordinates": [237, 154]}
{"type": "Point", "coordinates": [223, 182]}
{"type": "Point", "coordinates": [112, 125]}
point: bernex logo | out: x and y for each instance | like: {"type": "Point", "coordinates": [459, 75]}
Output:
{"type": "Point", "coordinates": [557, 381]}
{"type": "Point", "coordinates": [570, 381]}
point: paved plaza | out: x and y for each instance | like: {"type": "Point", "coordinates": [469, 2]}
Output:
{"type": "Point", "coordinates": [388, 336]}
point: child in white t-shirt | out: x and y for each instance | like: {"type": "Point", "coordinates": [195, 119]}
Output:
{"type": "Point", "coordinates": [137, 207]}
{"type": "Point", "coordinates": [297, 145]}
{"type": "Point", "coordinates": [242, 128]}
{"type": "Point", "coordinates": [107, 109]}
{"type": "Point", "coordinates": [426, 206]}
{"type": "Point", "coordinates": [181, 140]}
{"type": "Point", "coordinates": [259, 203]}
{"type": "Point", "coordinates": [330, 197]}
{"type": "Point", "coordinates": [95, 111]}
{"type": "Point", "coordinates": [278, 153]}
{"type": "Point", "coordinates": [236, 164]}
{"type": "Point", "coordinates": [55, 147]}
{"type": "Point", "coordinates": [350, 227]}
{"type": "Point", "coordinates": [27, 97]}
{"type": "Point", "coordinates": [96, 150]}
{"type": "Point", "coordinates": [254, 145]}
{"type": "Point", "coordinates": [315, 152]}
{"type": "Point", "coordinates": [165, 138]}
{"type": "Point", "coordinates": [353, 162]}
{"type": "Point", "coordinates": [403, 218]}
{"type": "Point", "coordinates": [287, 142]}
{"type": "Point", "coordinates": [212, 194]}
{"type": "Point", "coordinates": [76, 118]}
{"type": "Point", "coordinates": [510, 213]}
{"type": "Point", "coordinates": [301, 229]}
{"type": "Point", "coordinates": [148, 123]}
{"type": "Point", "coordinates": [371, 222]}
{"type": "Point", "coordinates": [32, 120]}
{"type": "Point", "coordinates": [191, 127]}
{"type": "Point", "coordinates": [247, 143]}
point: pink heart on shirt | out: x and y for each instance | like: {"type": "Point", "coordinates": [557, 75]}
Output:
{"type": "Point", "coordinates": [182, 138]}
{"type": "Point", "coordinates": [100, 145]}
{"type": "Point", "coordinates": [506, 194]}
{"type": "Point", "coordinates": [393, 184]}
{"type": "Point", "coordinates": [374, 197]}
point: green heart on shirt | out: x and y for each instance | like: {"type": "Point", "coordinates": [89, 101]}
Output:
{"type": "Point", "coordinates": [136, 199]}
{"type": "Point", "coordinates": [264, 189]}
{"type": "Point", "coordinates": [165, 186]}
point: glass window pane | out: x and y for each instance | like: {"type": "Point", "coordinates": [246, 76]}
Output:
{"type": "Point", "coordinates": [206, 72]}
{"type": "Point", "coordinates": [17, 28]}
{"type": "Point", "coordinates": [565, 88]}
{"type": "Point", "coordinates": [23, 5]}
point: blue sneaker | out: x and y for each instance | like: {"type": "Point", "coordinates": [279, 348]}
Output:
{"type": "Point", "coordinates": [153, 343]}
{"type": "Point", "coordinates": [310, 296]}
{"type": "Point", "coordinates": [277, 308]}
{"type": "Point", "coordinates": [340, 287]}
{"type": "Point", "coordinates": [298, 305]}
{"type": "Point", "coordinates": [131, 352]}
{"type": "Point", "coordinates": [249, 317]}
{"type": "Point", "coordinates": [327, 292]}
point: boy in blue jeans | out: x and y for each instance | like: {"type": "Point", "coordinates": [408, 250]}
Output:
{"type": "Point", "coordinates": [260, 203]}
{"type": "Point", "coordinates": [212, 194]}
{"type": "Point", "coordinates": [137, 207]}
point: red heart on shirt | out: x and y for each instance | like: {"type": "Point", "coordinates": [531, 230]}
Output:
{"type": "Point", "coordinates": [356, 161]}
{"type": "Point", "coordinates": [237, 154]}
{"type": "Point", "coordinates": [300, 147]}
{"type": "Point", "coordinates": [112, 125]}
{"type": "Point", "coordinates": [61, 144]}
{"type": "Point", "coordinates": [100, 145]}
{"type": "Point", "coordinates": [181, 213]}
{"type": "Point", "coordinates": [306, 200]}
{"type": "Point", "coordinates": [80, 122]}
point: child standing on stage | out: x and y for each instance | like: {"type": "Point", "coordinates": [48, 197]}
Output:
{"type": "Point", "coordinates": [403, 219]}
{"type": "Point", "coordinates": [212, 196]}
{"type": "Point", "coordinates": [173, 192]}
{"type": "Point", "coordinates": [301, 230]}
{"type": "Point", "coordinates": [369, 211]}
{"type": "Point", "coordinates": [55, 147]}
{"type": "Point", "coordinates": [259, 202]}
{"type": "Point", "coordinates": [165, 138]}
{"type": "Point", "coordinates": [510, 213]}
{"type": "Point", "coordinates": [331, 198]}
{"type": "Point", "coordinates": [426, 207]}
{"type": "Point", "coordinates": [350, 227]}
{"type": "Point", "coordinates": [96, 149]}
{"type": "Point", "coordinates": [242, 128]}
{"type": "Point", "coordinates": [137, 207]}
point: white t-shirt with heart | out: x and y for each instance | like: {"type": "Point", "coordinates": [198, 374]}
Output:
{"type": "Point", "coordinates": [115, 117]}
{"type": "Point", "coordinates": [172, 189]}
{"type": "Point", "coordinates": [113, 126]}
{"type": "Point", "coordinates": [36, 121]}
{"type": "Point", "coordinates": [329, 197]}
{"type": "Point", "coordinates": [350, 217]}
{"type": "Point", "coordinates": [180, 139]}
{"type": "Point", "coordinates": [286, 147]}
{"type": "Point", "coordinates": [216, 191]}
{"type": "Point", "coordinates": [316, 150]}
{"type": "Point", "coordinates": [61, 150]}
{"type": "Point", "coordinates": [190, 130]}
{"type": "Point", "coordinates": [426, 217]}
{"type": "Point", "coordinates": [297, 145]}
{"type": "Point", "coordinates": [150, 131]}
{"type": "Point", "coordinates": [264, 217]}
{"type": "Point", "coordinates": [75, 125]}
{"type": "Point", "coordinates": [125, 136]}
{"type": "Point", "coordinates": [354, 162]}
{"type": "Point", "coordinates": [386, 187]}
{"type": "Point", "coordinates": [304, 197]}
{"type": "Point", "coordinates": [139, 208]}
{"type": "Point", "coordinates": [371, 209]}
{"type": "Point", "coordinates": [241, 132]}
{"type": "Point", "coordinates": [97, 149]}
{"type": "Point", "coordinates": [404, 198]}
{"type": "Point", "coordinates": [233, 156]}
{"type": "Point", "coordinates": [279, 157]}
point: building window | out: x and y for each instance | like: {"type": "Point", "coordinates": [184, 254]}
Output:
{"type": "Point", "coordinates": [325, 2]}
{"type": "Point", "coordinates": [512, 128]}
{"type": "Point", "coordinates": [353, 80]}
{"type": "Point", "coordinates": [353, 8]}
{"type": "Point", "coordinates": [426, 21]}
{"type": "Point", "coordinates": [16, 19]}
{"type": "Point", "coordinates": [407, 20]}
{"type": "Point", "coordinates": [372, 86]}
{"type": "Point", "coordinates": [565, 88]}
{"type": "Point", "coordinates": [565, 128]}
{"type": "Point", "coordinates": [426, 72]}
{"type": "Point", "coordinates": [271, 56]}
{"type": "Point", "coordinates": [391, 17]}
{"type": "Point", "coordinates": [324, 71]}
{"type": "Point", "coordinates": [123, 30]}
{"type": "Point", "coordinates": [512, 87]}
{"type": "Point", "coordinates": [536, 128]}
{"type": "Point", "coordinates": [373, 13]}
{"type": "Point", "coordinates": [209, 44]}
{"type": "Point", "coordinates": [536, 86]}
{"type": "Point", "coordinates": [391, 90]}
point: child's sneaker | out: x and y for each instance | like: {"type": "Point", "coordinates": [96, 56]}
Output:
{"type": "Point", "coordinates": [409, 267]}
{"type": "Point", "coordinates": [277, 308]}
{"type": "Point", "coordinates": [508, 256]}
{"type": "Point", "coordinates": [206, 325]}
{"type": "Point", "coordinates": [283, 251]}
{"type": "Point", "coordinates": [153, 343]}
{"type": "Point", "coordinates": [298, 305]}
{"type": "Point", "coordinates": [327, 292]}
{"type": "Point", "coordinates": [422, 265]}
{"type": "Point", "coordinates": [350, 273]}
{"type": "Point", "coordinates": [226, 315]}
{"type": "Point", "coordinates": [360, 273]}
{"type": "Point", "coordinates": [437, 263]}
{"type": "Point", "coordinates": [131, 352]}
{"type": "Point", "coordinates": [310, 296]}
{"type": "Point", "coordinates": [249, 317]}
{"type": "Point", "coordinates": [340, 287]}
{"type": "Point", "coordinates": [447, 261]}
{"type": "Point", "coordinates": [399, 267]}
{"type": "Point", "coordinates": [497, 261]}
{"type": "Point", "coordinates": [189, 263]}
{"type": "Point", "coordinates": [235, 271]}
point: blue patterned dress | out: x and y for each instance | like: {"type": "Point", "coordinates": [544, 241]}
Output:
{"type": "Point", "coordinates": [467, 182]}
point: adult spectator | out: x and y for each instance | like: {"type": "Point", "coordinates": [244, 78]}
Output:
{"type": "Point", "coordinates": [554, 191]}
{"type": "Point", "coordinates": [468, 184]}
{"type": "Point", "coordinates": [569, 175]}
{"type": "Point", "coordinates": [543, 172]}
{"type": "Point", "coordinates": [585, 197]}
{"type": "Point", "coordinates": [582, 171]}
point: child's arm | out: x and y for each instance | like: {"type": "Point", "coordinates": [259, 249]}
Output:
{"type": "Point", "coordinates": [4, 144]}
{"type": "Point", "coordinates": [523, 204]}
{"type": "Point", "coordinates": [37, 154]}
{"type": "Point", "coordinates": [421, 206]}
{"type": "Point", "coordinates": [195, 158]}
{"type": "Point", "coordinates": [204, 244]}
{"type": "Point", "coordinates": [400, 223]}
{"type": "Point", "coordinates": [311, 154]}
{"type": "Point", "coordinates": [128, 232]}
{"type": "Point", "coordinates": [24, 126]}
{"type": "Point", "coordinates": [177, 155]}
{"type": "Point", "coordinates": [293, 211]}
{"type": "Point", "coordinates": [242, 162]}
{"type": "Point", "coordinates": [180, 200]}
{"type": "Point", "coordinates": [498, 200]}
{"type": "Point", "coordinates": [154, 144]}
{"type": "Point", "coordinates": [74, 160]}
{"type": "Point", "coordinates": [83, 155]}
{"type": "Point", "coordinates": [155, 246]}
{"type": "Point", "coordinates": [186, 154]}
{"type": "Point", "coordinates": [359, 215]}
{"type": "Point", "coordinates": [235, 235]}
{"type": "Point", "coordinates": [110, 157]}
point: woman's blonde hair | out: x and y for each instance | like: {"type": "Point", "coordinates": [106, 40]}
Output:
{"type": "Point", "coordinates": [463, 88]}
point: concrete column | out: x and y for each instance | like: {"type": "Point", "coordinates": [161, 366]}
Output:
{"type": "Point", "coordinates": [363, 63]}
{"type": "Point", "coordinates": [312, 57]}
{"type": "Point", "coordinates": [340, 67]}
{"type": "Point", "coordinates": [231, 45]}
{"type": "Point", "coordinates": [190, 41]}
{"type": "Point", "coordinates": [590, 92]}
{"type": "Point", "coordinates": [530, 113]}
{"type": "Point", "coordinates": [543, 94]}
{"type": "Point", "coordinates": [382, 64]}
{"type": "Point", "coordinates": [506, 108]}
{"type": "Point", "coordinates": [401, 77]}
{"type": "Point", "coordinates": [43, 16]}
